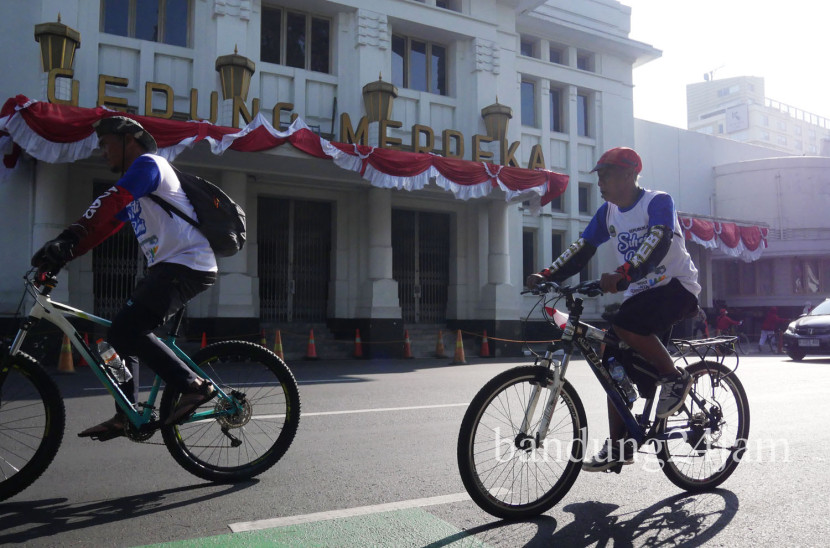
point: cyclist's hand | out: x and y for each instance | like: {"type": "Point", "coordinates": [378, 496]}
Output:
{"type": "Point", "coordinates": [54, 253]}
{"type": "Point", "coordinates": [534, 280]}
{"type": "Point", "coordinates": [611, 282]}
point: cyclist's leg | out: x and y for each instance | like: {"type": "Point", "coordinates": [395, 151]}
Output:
{"type": "Point", "coordinates": [639, 321]}
{"type": "Point", "coordinates": [644, 316]}
{"type": "Point", "coordinates": [165, 289]}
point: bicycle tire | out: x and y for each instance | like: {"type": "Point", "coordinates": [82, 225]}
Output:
{"type": "Point", "coordinates": [271, 402]}
{"type": "Point", "coordinates": [32, 422]}
{"type": "Point", "coordinates": [502, 402]}
{"type": "Point", "coordinates": [713, 452]}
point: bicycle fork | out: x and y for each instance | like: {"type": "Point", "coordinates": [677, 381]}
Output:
{"type": "Point", "coordinates": [524, 440]}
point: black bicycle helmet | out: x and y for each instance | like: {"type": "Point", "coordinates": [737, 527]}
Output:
{"type": "Point", "coordinates": [121, 125]}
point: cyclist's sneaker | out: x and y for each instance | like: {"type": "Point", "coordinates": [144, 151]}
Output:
{"type": "Point", "coordinates": [610, 456]}
{"type": "Point", "coordinates": [190, 400]}
{"type": "Point", "coordinates": [107, 430]}
{"type": "Point", "coordinates": [673, 392]}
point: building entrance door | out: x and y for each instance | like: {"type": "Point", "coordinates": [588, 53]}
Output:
{"type": "Point", "coordinates": [421, 264]}
{"type": "Point", "coordinates": [294, 259]}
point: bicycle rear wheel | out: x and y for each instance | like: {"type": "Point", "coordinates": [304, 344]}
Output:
{"type": "Point", "coordinates": [245, 444]}
{"type": "Point", "coordinates": [705, 444]}
{"type": "Point", "coordinates": [32, 420]}
{"type": "Point", "coordinates": [512, 474]}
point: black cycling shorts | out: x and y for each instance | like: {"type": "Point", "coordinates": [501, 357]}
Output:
{"type": "Point", "coordinates": [655, 311]}
{"type": "Point", "coordinates": [168, 286]}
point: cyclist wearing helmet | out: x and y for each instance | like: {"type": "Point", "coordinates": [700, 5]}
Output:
{"type": "Point", "coordinates": [180, 262]}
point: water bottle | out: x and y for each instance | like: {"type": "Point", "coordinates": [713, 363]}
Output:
{"type": "Point", "coordinates": [618, 374]}
{"type": "Point", "coordinates": [113, 362]}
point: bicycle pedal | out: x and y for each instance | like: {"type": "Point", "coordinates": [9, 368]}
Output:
{"type": "Point", "coordinates": [617, 468]}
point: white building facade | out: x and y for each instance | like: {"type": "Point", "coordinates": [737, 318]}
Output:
{"type": "Point", "coordinates": [327, 249]}
{"type": "Point", "coordinates": [330, 237]}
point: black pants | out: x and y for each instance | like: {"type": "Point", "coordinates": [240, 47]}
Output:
{"type": "Point", "coordinates": [157, 297]}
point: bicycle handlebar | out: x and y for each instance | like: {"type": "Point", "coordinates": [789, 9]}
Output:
{"type": "Point", "coordinates": [589, 288]}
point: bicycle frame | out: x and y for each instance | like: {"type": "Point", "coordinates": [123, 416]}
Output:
{"type": "Point", "coordinates": [58, 314]}
{"type": "Point", "coordinates": [582, 336]}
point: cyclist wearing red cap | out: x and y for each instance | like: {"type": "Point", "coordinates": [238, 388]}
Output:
{"type": "Point", "coordinates": [724, 322]}
{"type": "Point", "coordinates": [660, 279]}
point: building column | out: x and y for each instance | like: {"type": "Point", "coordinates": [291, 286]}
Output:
{"type": "Point", "coordinates": [51, 197]}
{"type": "Point", "coordinates": [236, 293]}
{"type": "Point", "coordinates": [498, 297]}
{"type": "Point", "coordinates": [380, 292]}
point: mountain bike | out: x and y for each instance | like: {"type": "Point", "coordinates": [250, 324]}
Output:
{"type": "Point", "coordinates": [239, 434]}
{"type": "Point", "coordinates": [524, 435]}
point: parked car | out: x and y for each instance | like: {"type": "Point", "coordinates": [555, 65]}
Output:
{"type": "Point", "coordinates": [809, 334]}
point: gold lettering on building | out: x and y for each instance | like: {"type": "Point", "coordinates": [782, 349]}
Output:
{"type": "Point", "coordinates": [384, 140]}
{"type": "Point", "coordinates": [109, 101]}
{"type": "Point", "coordinates": [194, 104]}
{"type": "Point", "coordinates": [426, 131]}
{"type": "Point", "coordinates": [478, 154]}
{"type": "Point", "coordinates": [153, 87]}
{"type": "Point", "coordinates": [449, 136]}
{"type": "Point", "coordinates": [452, 141]}
{"type": "Point", "coordinates": [51, 87]}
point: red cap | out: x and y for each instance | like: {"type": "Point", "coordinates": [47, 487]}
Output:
{"type": "Point", "coordinates": [620, 157]}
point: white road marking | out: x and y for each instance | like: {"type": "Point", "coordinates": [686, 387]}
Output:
{"type": "Point", "coordinates": [149, 386]}
{"type": "Point", "coordinates": [382, 409]}
{"type": "Point", "coordinates": [346, 513]}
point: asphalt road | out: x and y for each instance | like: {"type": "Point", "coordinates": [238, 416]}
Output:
{"type": "Point", "coordinates": [374, 465]}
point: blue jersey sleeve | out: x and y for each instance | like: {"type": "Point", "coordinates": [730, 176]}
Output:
{"type": "Point", "coordinates": [596, 233]}
{"type": "Point", "coordinates": [661, 211]}
{"type": "Point", "coordinates": [142, 177]}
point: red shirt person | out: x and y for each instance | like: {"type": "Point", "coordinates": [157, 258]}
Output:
{"type": "Point", "coordinates": [724, 322]}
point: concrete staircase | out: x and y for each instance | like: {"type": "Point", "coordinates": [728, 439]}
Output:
{"type": "Point", "coordinates": [424, 340]}
{"type": "Point", "coordinates": [295, 339]}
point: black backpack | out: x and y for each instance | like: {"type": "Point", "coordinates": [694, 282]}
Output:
{"type": "Point", "coordinates": [221, 220]}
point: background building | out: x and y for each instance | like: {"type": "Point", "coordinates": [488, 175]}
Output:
{"type": "Point", "coordinates": [737, 108]}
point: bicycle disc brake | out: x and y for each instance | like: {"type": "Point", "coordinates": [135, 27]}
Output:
{"type": "Point", "coordinates": [229, 419]}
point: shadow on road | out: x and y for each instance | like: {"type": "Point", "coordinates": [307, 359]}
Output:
{"type": "Point", "coordinates": [27, 521]}
{"type": "Point", "coordinates": [684, 519]}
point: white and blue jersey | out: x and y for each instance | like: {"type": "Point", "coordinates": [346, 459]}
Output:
{"type": "Point", "coordinates": [163, 237]}
{"type": "Point", "coordinates": [629, 228]}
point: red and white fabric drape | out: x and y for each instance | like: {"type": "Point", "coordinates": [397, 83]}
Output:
{"type": "Point", "coordinates": [746, 242]}
{"type": "Point", "coordinates": [60, 133]}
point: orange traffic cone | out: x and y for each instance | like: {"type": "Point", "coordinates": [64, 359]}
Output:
{"type": "Point", "coordinates": [358, 346]}
{"type": "Point", "coordinates": [439, 345]}
{"type": "Point", "coordinates": [311, 353]}
{"type": "Point", "coordinates": [82, 361]}
{"type": "Point", "coordinates": [407, 346]}
{"type": "Point", "coordinates": [278, 346]}
{"type": "Point", "coordinates": [459, 358]}
{"type": "Point", "coordinates": [204, 340]}
{"type": "Point", "coordinates": [65, 364]}
{"type": "Point", "coordinates": [262, 340]}
{"type": "Point", "coordinates": [485, 346]}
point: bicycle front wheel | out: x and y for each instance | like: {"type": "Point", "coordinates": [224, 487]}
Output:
{"type": "Point", "coordinates": [705, 440]}
{"type": "Point", "coordinates": [241, 445]}
{"type": "Point", "coordinates": [32, 420]}
{"type": "Point", "coordinates": [513, 474]}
